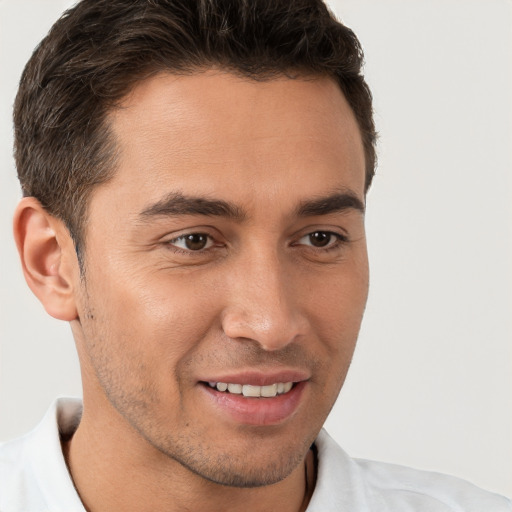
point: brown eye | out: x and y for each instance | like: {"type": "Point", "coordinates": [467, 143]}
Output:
{"type": "Point", "coordinates": [192, 242]}
{"type": "Point", "coordinates": [196, 241]}
{"type": "Point", "coordinates": [323, 240]}
{"type": "Point", "coordinates": [320, 238]}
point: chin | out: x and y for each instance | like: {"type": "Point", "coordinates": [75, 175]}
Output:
{"type": "Point", "coordinates": [262, 461]}
{"type": "Point", "coordinates": [248, 473]}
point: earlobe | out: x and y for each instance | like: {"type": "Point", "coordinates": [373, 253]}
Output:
{"type": "Point", "coordinates": [48, 258]}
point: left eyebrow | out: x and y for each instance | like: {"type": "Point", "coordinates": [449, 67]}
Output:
{"type": "Point", "coordinates": [334, 203]}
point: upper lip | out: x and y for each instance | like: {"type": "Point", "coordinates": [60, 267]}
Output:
{"type": "Point", "coordinates": [259, 378]}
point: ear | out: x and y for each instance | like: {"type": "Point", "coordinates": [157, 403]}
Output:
{"type": "Point", "coordinates": [48, 258]}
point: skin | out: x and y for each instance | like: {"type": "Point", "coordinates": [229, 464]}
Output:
{"type": "Point", "coordinates": [153, 318]}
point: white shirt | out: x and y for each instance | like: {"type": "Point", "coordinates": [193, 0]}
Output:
{"type": "Point", "coordinates": [34, 478]}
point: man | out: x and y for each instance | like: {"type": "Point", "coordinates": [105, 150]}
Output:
{"type": "Point", "coordinates": [195, 176]}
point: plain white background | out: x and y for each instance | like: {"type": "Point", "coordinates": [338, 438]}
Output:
{"type": "Point", "coordinates": [431, 382]}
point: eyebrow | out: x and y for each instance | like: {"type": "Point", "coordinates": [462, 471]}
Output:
{"type": "Point", "coordinates": [175, 204]}
{"type": "Point", "coordinates": [334, 203]}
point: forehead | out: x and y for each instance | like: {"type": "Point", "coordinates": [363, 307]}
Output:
{"type": "Point", "coordinates": [193, 133]}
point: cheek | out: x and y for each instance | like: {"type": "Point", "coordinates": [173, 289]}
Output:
{"type": "Point", "coordinates": [337, 312]}
{"type": "Point", "coordinates": [151, 301]}
{"type": "Point", "coordinates": [137, 346]}
{"type": "Point", "coordinates": [144, 326]}
{"type": "Point", "coordinates": [339, 300]}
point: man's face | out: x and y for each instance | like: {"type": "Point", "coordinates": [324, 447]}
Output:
{"type": "Point", "coordinates": [229, 248]}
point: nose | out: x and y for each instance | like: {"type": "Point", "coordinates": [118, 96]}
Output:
{"type": "Point", "coordinates": [263, 303]}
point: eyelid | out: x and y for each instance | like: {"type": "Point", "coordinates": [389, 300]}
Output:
{"type": "Point", "coordinates": [336, 230]}
{"type": "Point", "coordinates": [190, 230]}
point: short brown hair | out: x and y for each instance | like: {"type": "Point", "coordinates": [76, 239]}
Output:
{"type": "Point", "coordinates": [98, 50]}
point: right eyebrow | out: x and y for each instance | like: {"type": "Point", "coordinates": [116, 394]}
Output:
{"type": "Point", "coordinates": [176, 203]}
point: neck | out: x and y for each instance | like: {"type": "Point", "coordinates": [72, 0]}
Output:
{"type": "Point", "coordinates": [115, 469]}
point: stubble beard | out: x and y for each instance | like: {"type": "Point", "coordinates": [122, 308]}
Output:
{"type": "Point", "coordinates": [240, 471]}
{"type": "Point", "coordinates": [237, 468]}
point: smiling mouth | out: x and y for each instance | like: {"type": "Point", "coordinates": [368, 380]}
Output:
{"type": "Point", "coordinates": [250, 391]}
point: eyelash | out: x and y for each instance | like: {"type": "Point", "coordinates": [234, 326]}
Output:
{"type": "Point", "coordinates": [338, 242]}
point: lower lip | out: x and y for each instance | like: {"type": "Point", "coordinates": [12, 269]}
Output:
{"type": "Point", "coordinates": [257, 411]}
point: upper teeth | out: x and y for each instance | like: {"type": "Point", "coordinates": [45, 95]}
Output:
{"type": "Point", "coordinates": [253, 391]}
